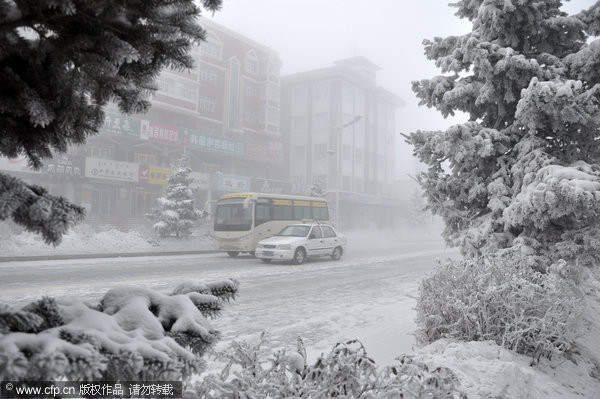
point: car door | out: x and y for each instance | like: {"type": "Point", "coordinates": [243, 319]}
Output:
{"type": "Point", "coordinates": [330, 240]}
{"type": "Point", "coordinates": [315, 245]}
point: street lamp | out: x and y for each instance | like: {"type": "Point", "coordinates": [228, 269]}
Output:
{"type": "Point", "coordinates": [339, 166]}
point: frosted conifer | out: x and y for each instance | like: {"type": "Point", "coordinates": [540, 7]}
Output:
{"type": "Point", "coordinates": [525, 168]}
{"type": "Point", "coordinates": [61, 62]}
{"type": "Point", "coordinates": [176, 213]}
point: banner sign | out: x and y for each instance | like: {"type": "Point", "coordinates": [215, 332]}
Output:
{"type": "Point", "coordinates": [64, 166]}
{"type": "Point", "coordinates": [271, 153]}
{"type": "Point", "coordinates": [270, 186]}
{"type": "Point", "coordinates": [113, 170]}
{"type": "Point", "coordinates": [212, 143]}
{"type": "Point", "coordinates": [121, 125]}
{"type": "Point", "coordinates": [159, 174]}
{"type": "Point", "coordinates": [232, 183]}
{"type": "Point", "coordinates": [201, 180]}
{"type": "Point", "coordinates": [159, 132]}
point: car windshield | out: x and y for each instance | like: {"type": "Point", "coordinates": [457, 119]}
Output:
{"type": "Point", "coordinates": [294, 231]}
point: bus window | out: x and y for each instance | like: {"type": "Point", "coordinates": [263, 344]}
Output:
{"type": "Point", "coordinates": [302, 210]}
{"type": "Point", "coordinates": [319, 211]}
{"type": "Point", "coordinates": [282, 210]}
{"type": "Point", "coordinates": [262, 212]}
{"type": "Point", "coordinates": [233, 214]}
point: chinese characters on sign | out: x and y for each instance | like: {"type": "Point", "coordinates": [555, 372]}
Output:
{"type": "Point", "coordinates": [159, 132]}
{"type": "Point", "coordinates": [212, 143]}
{"type": "Point", "coordinates": [113, 170]}
{"type": "Point", "coordinates": [120, 125]}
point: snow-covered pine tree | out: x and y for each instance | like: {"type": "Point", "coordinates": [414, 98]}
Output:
{"type": "Point", "coordinates": [61, 61]}
{"type": "Point", "coordinates": [524, 169]}
{"type": "Point", "coordinates": [176, 212]}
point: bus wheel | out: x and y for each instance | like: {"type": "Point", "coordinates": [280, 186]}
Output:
{"type": "Point", "coordinates": [299, 256]}
{"type": "Point", "coordinates": [233, 254]}
{"type": "Point", "coordinates": [252, 253]}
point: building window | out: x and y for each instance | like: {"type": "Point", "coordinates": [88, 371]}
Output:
{"type": "Point", "coordinates": [358, 156]}
{"type": "Point", "coordinates": [320, 151]}
{"type": "Point", "coordinates": [321, 120]}
{"type": "Point", "coordinates": [208, 77]}
{"type": "Point", "coordinates": [273, 93]}
{"type": "Point", "coordinates": [144, 158]}
{"type": "Point", "coordinates": [177, 89]}
{"type": "Point", "coordinates": [250, 116]}
{"type": "Point", "coordinates": [321, 91]}
{"type": "Point", "coordinates": [212, 47]}
{"type": "Point", "coordinates": [346, 183]}
{"type": "Point", "coordinates": [273, 116]}
{"type": "Point", "coordinates": [98, 152]}
{"type": "Point", "coordinates": [234, 92]}
{"type": "Point", "coordinates": [250, 91]}
{"type": "Point", "coordinates": [251, 62]}
{"type": "Point", "coordinates": [142, 202]}
{"type": "Point", "coordinates": [298, 154]}
{"type": "Point", "coordinates": [207, 104]}
{"type": "Point", "coordinates": [347, 152]}
{"type": "Point", "coordinates": [274, 67]}
{"type": "Point", "coordinates": [299, 123]}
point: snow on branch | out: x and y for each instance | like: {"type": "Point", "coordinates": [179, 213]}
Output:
{"type": "Point", "coordinates": [134, 333]}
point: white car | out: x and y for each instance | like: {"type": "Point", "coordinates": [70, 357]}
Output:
{"type": "Point", "coordinates": [297, 242]}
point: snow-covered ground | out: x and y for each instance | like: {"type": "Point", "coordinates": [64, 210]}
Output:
{"type": "Point", "coordinates": [369, 295]}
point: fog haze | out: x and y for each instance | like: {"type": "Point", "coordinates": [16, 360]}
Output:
{"type": "Point", "coordinates": [311, 34]}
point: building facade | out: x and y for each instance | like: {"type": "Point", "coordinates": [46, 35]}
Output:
{"type": "Point", "coordinates": [339, 132]}
{"type": "Point", "coordinates": [224, 114]}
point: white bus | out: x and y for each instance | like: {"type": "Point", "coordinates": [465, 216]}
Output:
{"type": "Point", "coordinates": [243, 219]}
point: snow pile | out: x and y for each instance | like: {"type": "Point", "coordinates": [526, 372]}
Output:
{"type": "Point", "coordinates": [86, 240]}
{"type": "Point", "coordinates": [487, 370]}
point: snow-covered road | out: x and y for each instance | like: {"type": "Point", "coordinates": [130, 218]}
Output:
{"type": "Point", "coordinates": [369, 294]}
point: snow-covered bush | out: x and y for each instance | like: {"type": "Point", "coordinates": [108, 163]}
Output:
{"type": "Point", "coordinates": [132, 334]}
{"type": "Point", "coordinates": [176, 214]}
{"type": "Point", "coordinates": [346, 372]}
{"type": "Point", "coordinates": [504, 299]}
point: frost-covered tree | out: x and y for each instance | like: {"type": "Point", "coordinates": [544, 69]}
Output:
{"type": "Point", "coordinates": [524, 170]}
{"type": "Point", "coordinates": [134, 333]}
{"type": "Point", "coordinates": [61, 62]}
{"type": "Point", "coordinates": [176, 212]}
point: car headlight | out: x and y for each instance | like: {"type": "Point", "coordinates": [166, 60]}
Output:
{"type": "Point", "coordinates": [284, 246]}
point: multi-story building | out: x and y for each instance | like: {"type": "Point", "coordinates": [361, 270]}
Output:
{"type": "Point", "coordinates": [224, 113]}
{"type": "Point", "coordinates": [339, 130]}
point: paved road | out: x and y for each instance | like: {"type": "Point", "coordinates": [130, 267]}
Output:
{"type": "Point", "coordinates": [368, 294]}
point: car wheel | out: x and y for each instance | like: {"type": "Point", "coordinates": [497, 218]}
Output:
{"type": "Point", "coordinates": [233, 254]}
{"type": "Point", "coordinates": [299, 256]}
{"type": "Point", "coordinates": [266, 260]}
{"type": "Point", "coordinates": [337, 253]}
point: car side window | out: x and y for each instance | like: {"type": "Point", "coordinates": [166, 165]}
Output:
{"type": "Point", "coordinates": [327, 232]}
{"type": "Point", "coordinates": [315, 233]}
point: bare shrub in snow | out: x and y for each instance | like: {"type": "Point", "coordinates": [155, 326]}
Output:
{"type": "Point", "coordinates": [500, 298]}
{"type": "Point", "coordinates": [346, 372]}
{"type": "Point", "coordinates": [132, 334]}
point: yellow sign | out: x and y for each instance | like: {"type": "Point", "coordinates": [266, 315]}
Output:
{"type": "Point", "coordinates": [282, 202]}
{"type": "Point", "coordinates": [302, 203]}
{"type": "Point", "coordinates": [320, 204]}
{"type": "Point", "coordinates": [238, 195]}
{"type": "Point", "coordinates": [158, 174]}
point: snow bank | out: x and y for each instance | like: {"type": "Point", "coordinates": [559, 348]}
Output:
{"type": "Point", "coordinates": [487, 370]}
{"type": "Point", "coordinates": [87, 240]}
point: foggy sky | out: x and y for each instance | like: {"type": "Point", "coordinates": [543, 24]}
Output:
{"type": "Point", "coordinates": [311, 34]}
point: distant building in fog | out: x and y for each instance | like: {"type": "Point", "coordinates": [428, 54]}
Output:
{"type": "Point", "coordinates": [224, 113]}
{"type": "Point", "coordinates": [319, 107]}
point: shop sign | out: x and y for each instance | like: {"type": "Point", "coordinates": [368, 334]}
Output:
{"type": "Point", "coordinates": [270, 186]}
{"type": "Point", "coordinates": [112, 170]}
{"type": "Point", "coordinates": [201, 180]}
{"type": "Point", "coordinates": [273, 152]}
{"type": "Point", "coordinates": [121, 125]}
{"type": "Point", "coordinates": [232, 183]}
{"type": "Point", "coordinates": [212, 143]}
{"type": "Point", "coordinates": [64, 165]}
{"type": "Point", "coordinates": [18, 164]}
{"type": "Point", "coordinates": [159, 132]}
{"type": "Point", "coordinates": [159, 174]}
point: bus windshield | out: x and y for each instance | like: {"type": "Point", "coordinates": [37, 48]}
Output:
{"type": "Point", "coordinates": [233, 214]}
